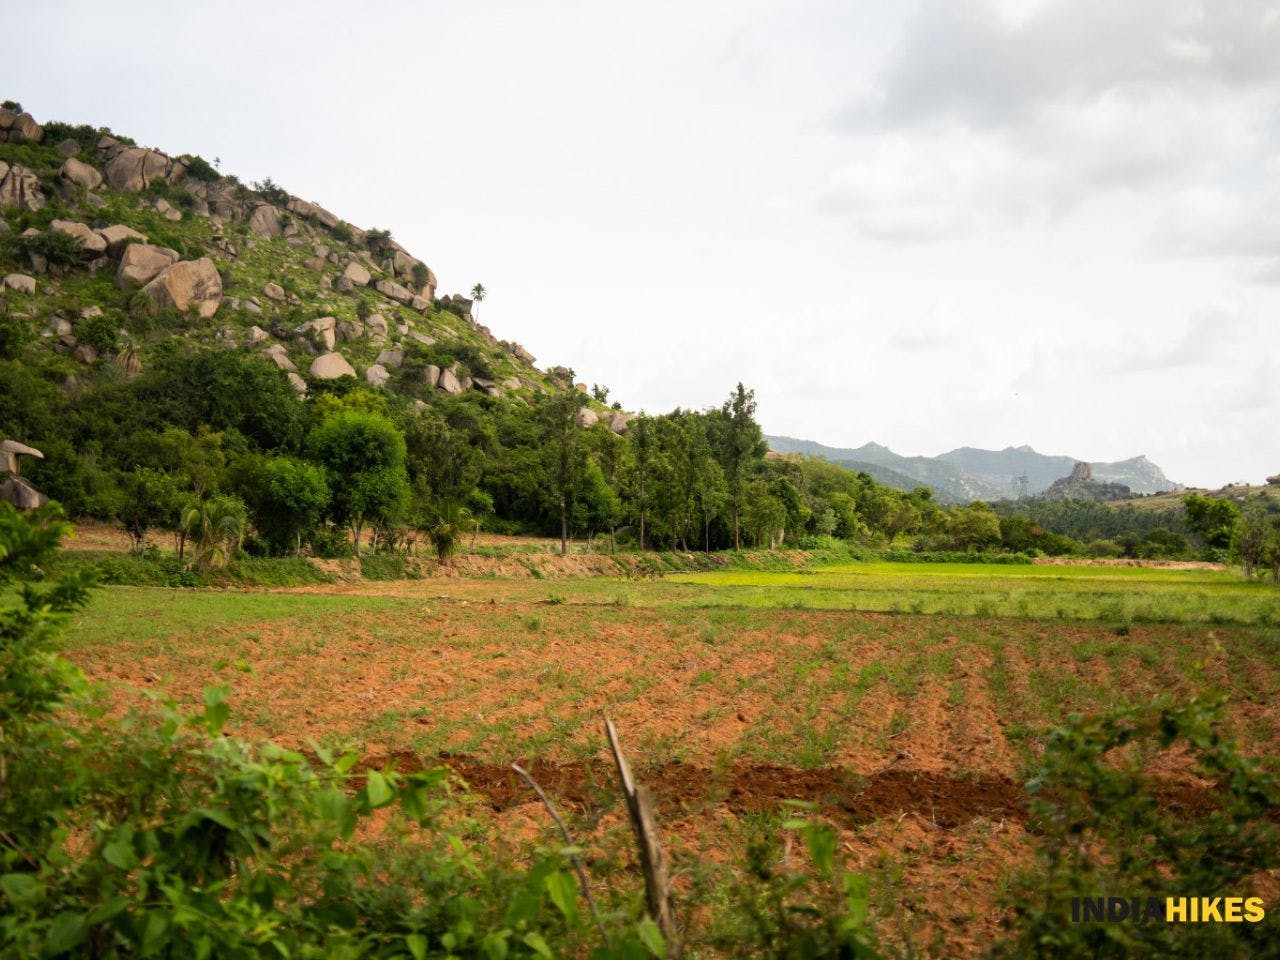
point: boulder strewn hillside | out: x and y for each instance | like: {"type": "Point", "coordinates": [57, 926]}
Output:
{"type": "Point", "coordinates": [114, 249]}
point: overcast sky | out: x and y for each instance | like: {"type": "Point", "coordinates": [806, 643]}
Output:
{"type": "Point", "coordinates": [929, 225]}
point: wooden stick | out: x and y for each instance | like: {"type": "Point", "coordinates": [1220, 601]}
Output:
{"type": "Point", "coordinates": [568, 841]}
{"type": "Point", "coordinates": [653, 862]}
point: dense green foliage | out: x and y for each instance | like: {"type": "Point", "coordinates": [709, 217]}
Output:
{"type": "Point", "coordinates": [1105, 833]}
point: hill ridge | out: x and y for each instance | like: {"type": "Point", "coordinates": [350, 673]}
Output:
{"type": "Point", "coordinates": [973, 473]}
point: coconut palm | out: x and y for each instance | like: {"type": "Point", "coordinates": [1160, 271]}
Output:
{"type": "Point", "coordinates": [477, 294]}
{"type": "Point", "coordinates": [215, 528]}
{"type": "Point", "coordinates": [445, 526]}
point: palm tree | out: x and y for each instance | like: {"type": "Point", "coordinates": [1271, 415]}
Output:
{"type": "Point", "coordinates": [445, 526]}
{"type": "Point", "coordinates": [216, 529]}
{"type": "Point", "coordinates": [477, 294]}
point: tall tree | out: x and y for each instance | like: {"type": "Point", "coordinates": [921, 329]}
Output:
{"type": "Point", "coordinates": [564, 451]}
{"type": "Point", "coordinates": [478, 293]}
{"type": "Point", "coordinates": [640, 437]}
{"type": "Point", "coordinates": [363, 455]}
{"type": "Point", "coordinates": [742, 447]}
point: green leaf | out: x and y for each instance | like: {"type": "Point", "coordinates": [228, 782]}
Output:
{"type": "Point", "coordinates": [22, 889]}
{"type": "Point", "coordinates": [417, 945]}
{"type": "Point", "coordinates": [560, 888]}
{"type": "Point", "coordinates": [220, 817]}
{"type": "Point", "coordinates": [533, 940]}
{"type": "Point", "coordinates": [119, 853]}
{"type": "Point", "coordinates": [153, 937]}
{"type": "Point", "coordinates": [857, 892]}
{"type": "Point", "coordinates": [495, 946]}
{"type": "Point", "coordinates": [652, 938]}
{"type": "Point", "coordinates": [216, 710]}
{"type": "Point", "coordinates": [377, 790]}
{"type": "Point", "coordinates": [67, 931]}
{"type": "Point", "coordinates": [821, 840]}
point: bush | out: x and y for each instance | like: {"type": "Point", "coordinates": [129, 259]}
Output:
{"type": "Point", "coordinates": [54, 245]}
{"type": "Point", "coordinates": [198, 168]}
{"type": "Point", "coordinates": [1103, 830]}
{"type": "Point", "coordinates": [100, 332]}
{"type": "Point", "coordinates": [272, 192]}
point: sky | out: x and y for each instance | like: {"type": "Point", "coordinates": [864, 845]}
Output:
{"type": "Point", "coordinates": [974, 223]}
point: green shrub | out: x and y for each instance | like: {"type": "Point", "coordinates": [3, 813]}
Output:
{"type": "Point", "coordinates": [101, 332]}
{"type": "Point", "coordinates": [198, 168]}
{"type": "Point", "coordinates": [272, 192]}
{"type": "Point", "coordinates": [1103, 829]}
{"type": "Point", "coordinates": [54, 245]}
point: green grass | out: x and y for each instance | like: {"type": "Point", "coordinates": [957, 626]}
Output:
{"type": "Point", "coordinates": [1114, 594]}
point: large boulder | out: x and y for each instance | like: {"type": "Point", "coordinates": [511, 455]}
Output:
{"type": "Point", "coordinates": [81, 174]}
{"type": "Point", "coordinates": [296, 382]}
{"type": "Point", "coordinates": [377, 375]}
{"type": "Point", "coordinates": [273, 291]}
{"type": "Point", "coordinates": [587, 417]}
{"type": "Point", "coordinates": [312, 211]}
{"type": "Point", "coordinates": [221, 198]}
{"type": "Point", "coordinates": [186, 284]}
{"type": "Point", "coordinates": [278, 355]}
{"type": "Point", "coordinates": [357, 275]}
{"type": "Point", "coordinates": [321, 331]}
{"type": "Point", "coordinates": [69, 147]}
{"type": "Point", "coordinates": [349, 330]}
{"type": "Point", "coordinates": [331, 366]}
{"type": "Point", "coordinates": [392, 359]}
{"type": "Point", "coordinates": [265, 221]}
{"type": "Point", "coordinates": [143, 262]}
{"type": "Point", "coordinates": [19, 126]}
{"type": "Point", "coordinates": [133, 168]}
{"type": "Point", "coordinates": [449, 381]}
{"type": "Point", "coordinates": [19, 187]}
{"type": "Point", "coordinates": [19, 282]}
{"type": "Point", "coordinates": [377, 325]}
{"type": "Point", "coordinates": [89, 238]}
{"type": "Point", "coordinates": [394, 291]}
{"type": "Point", "coordinates": [117, 236]}
{"type": "Point", "coordinates": [431, 375]}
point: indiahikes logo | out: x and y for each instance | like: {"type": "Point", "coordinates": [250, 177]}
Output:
{"type": "Point", "coordinates": [1167, 910]}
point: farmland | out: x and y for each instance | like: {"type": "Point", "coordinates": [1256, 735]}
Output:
{"type": "Point", "coordinates": [907, 701]}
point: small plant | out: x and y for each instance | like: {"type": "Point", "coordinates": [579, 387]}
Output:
{"type": "Point", "coordinates": [198, 168]}
{"type": "Point", "coordinates": [54, 245]}
{"type": "Point", "coordinates": [271, 192]}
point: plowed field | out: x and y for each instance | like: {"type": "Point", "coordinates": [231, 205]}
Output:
{"type": "Point", "coordinates": [912, 733]}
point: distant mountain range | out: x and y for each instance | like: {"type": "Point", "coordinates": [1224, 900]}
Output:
{"type": "Point", "coordinates": [968, 473]}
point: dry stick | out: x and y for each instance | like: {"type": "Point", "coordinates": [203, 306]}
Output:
{"type": "Point", "coordinates": [653, 862]}
{"type": "Point", "coordinates": [568, 840]}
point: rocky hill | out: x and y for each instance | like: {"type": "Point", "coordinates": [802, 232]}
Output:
{"type": "Point", "coordinates": [968, 473]}
{"type": "Point", "coordinates": [113, 249]}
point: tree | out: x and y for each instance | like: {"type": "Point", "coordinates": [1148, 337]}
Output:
{"type": "Point", "coordinates": [477, 294]}
{"type": "Point", "coordinates": [363, 456]}
{"type": "Point", "coordinates": [742, 446]}
{"type": "Point", "coordinates": [148, 500]}
{"type": "Point", "coordinates": [1211, 519]}
{"type": "Point", "coordinates": [762, 514]}
{"type": "Point", "coordinates": [974, 526]}
{"type": "Point", "coordinates": [216, 529]}
{"type": "Point", "coordinates": [287, 498]}
{"type": "Point", "coordinates": [640, 438]}
{"type": "Point", "coordinates": [563, 452]}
